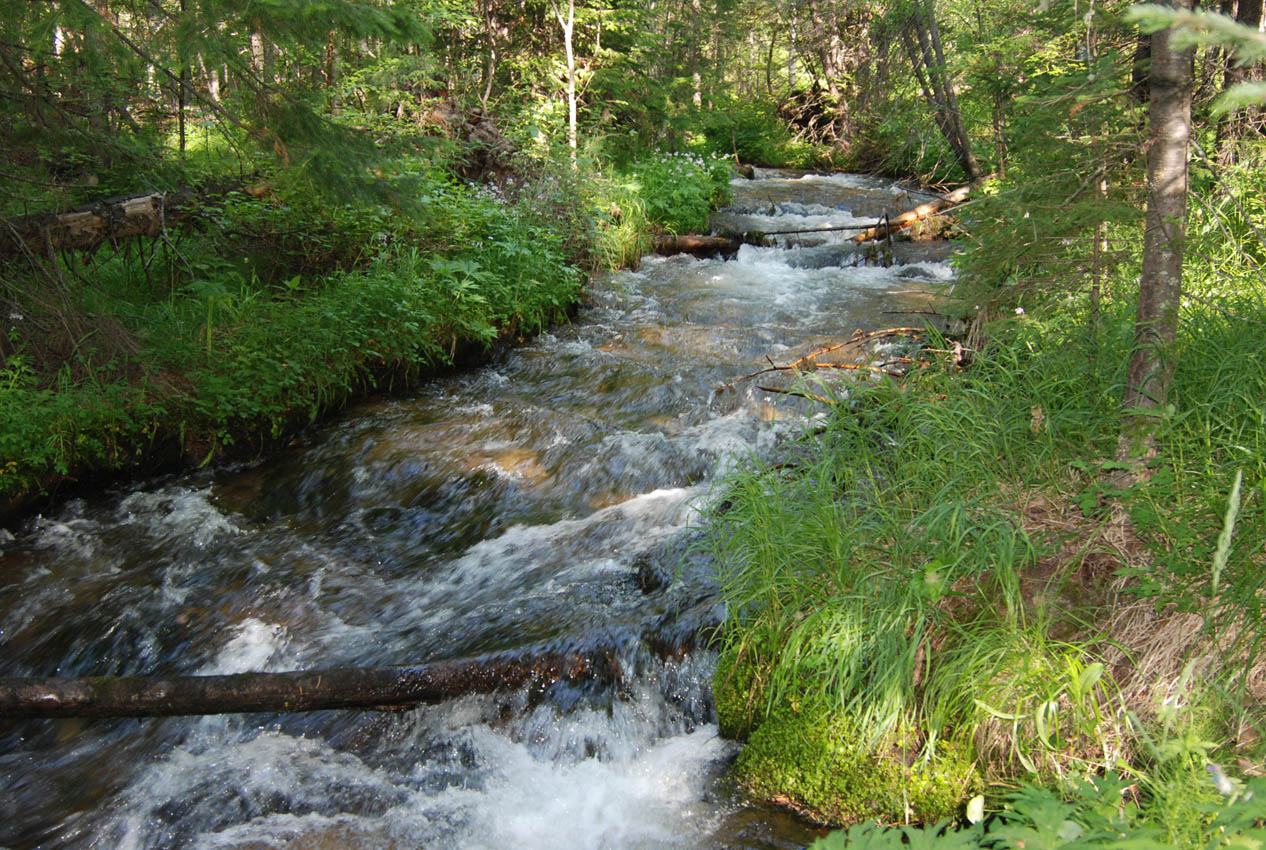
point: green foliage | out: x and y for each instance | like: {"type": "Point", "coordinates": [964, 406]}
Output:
{"type": "Point", "coordinates": [1099, 812]}
{"type": "Point", "coordinates": [1248, 44]}
{"type": "Point", "coordinates": [738, 694]}
{"type": "Point", "coordinates": [679, 191]}
{"type": "Point", "coordinates": [311, 304]}
{"type": "Point", "coordinates": [891, 570]}
{"type": "Point", "coordinates": [753, 132]}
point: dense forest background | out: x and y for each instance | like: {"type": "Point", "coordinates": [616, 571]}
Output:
{"type": "Point", "coordinates": [222, 219]}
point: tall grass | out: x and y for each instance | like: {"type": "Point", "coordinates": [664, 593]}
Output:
{"type": "Point", "coordinates": [943, 557]}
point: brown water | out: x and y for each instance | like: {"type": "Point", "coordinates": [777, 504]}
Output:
{"type": "Point", "coordinates": [546, 499]}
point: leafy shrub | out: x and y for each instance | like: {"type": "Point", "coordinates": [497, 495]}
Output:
{"type": "Point", "coordinates": [679, 191]}
{"type": "Point", "coordinates": [754, 133]}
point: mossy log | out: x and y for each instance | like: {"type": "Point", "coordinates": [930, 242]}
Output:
{"type": "Point", "coordinates": [374, 688]}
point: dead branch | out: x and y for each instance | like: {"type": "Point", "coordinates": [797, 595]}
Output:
{"type": "Point", "coordinates": [919, 213]}
{"type": "Point", "coordinates": [809, 361]}
{"type": "Point", "coordinates": [799, 393]}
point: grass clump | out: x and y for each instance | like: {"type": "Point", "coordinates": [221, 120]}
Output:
{"type": "Point", "coordinates": [945, 572]}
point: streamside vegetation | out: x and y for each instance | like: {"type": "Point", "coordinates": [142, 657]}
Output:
{"type": "Point", "coordinates": [1016, 602]}
{"type": "Point", "coordinates": [218, 226]}
{"type": "Point", "coordinates": [1019, 587]}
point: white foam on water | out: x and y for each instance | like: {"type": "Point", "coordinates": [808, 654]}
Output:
{"type": "Point", "coordinates": [636, 774]}
{"type": "Point", "coordinates": [177, 514]}
{"type": "Point", "coordinates": [573, 348]}
{"type": "Point", "coordinates": [256, 646]}
{"type": "Point", "coordinates": [652, 799]}
{"type": "Point", "coordinates": [848, 181]}
{"type": "Point", "coordinates": [74, 538]}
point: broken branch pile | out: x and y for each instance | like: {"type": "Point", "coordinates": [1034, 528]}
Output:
{"type": "Point", "coordinates": [811, 362]}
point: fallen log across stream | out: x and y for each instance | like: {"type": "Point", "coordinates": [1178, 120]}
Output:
{"type": "Point", "coordinates": [727, 244]}
{"type": "Point", "coordinates": [882, 229]}
{"type": "Point", "coordinates": [697, 245]}
{"type": "Point", "coordinates": [372, 688]}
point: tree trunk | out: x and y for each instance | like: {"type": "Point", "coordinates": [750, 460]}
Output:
{"type": "Point", "coordinates": [375, 688]}
{"type": "Point", "coordinates": [568, 24]}
{"type": "Point", "coordinates": [1150, 374]}
{"type": "Point", "coordinates": [921, 38]}
{"type": "Point", "coordinates": [1249, 120]}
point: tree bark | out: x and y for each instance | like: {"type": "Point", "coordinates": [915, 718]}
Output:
{"type": "Point", "coordinates": [921, 38]}
{"type": "Point", "coordinates": [373, 688]}
{"type": "Point", "coordinates": [1150, 374]}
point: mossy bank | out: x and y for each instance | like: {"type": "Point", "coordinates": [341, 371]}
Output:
{"type": "Point", "coordinates": [940, 594]}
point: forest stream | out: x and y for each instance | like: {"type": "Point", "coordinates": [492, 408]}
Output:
{"type": "Point", "coordinates": [551, 498]}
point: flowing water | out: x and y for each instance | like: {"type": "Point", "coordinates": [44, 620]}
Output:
{"type": "Point", "coordinates": [546, 500]}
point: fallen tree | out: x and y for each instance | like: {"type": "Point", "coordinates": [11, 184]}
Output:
{"type": "Point", "coordinates": [699, 246]}
{"type": "Point", "coordinates": [94, 224]}
{"type": "Point", "coordinates": [710, 246]}
{"type": "Point", "coordinates": [923, 211]}
{"type": "Point", "coordinates": [87, 227]}
{"type": "Point", "coordinates": [373, 688]}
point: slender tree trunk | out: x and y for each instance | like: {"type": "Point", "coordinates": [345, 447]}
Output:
{"type": "Point", "coordinates": [1234, 127]}
{"type": "Point", "coordinates": [1150, 374]}
{"type": "Point", "coordinates": [769, 65]}
{"type": "Point", "coordinates": [210, 79]}
{"type": "Point", "coordinates": [182, 93]}
{"type": "Point", "coordinates": [568, 24]}
{"type": "Point", "coordinates": [922, 40]}
{"type": "Point", "coordinates": [791, 51]}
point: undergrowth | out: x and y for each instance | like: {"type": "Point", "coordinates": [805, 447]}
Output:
{"type": "Point", "coordinates": [942, 568]}
{"type": "Point", "coordinates": [280, 304]}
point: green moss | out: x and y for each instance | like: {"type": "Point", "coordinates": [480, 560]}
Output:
{"type": "Point", "coordinates": [813, 761]}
